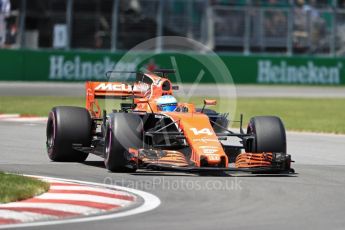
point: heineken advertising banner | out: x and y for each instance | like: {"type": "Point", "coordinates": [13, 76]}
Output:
{"type": "Point", "coordinates": [27, 65]}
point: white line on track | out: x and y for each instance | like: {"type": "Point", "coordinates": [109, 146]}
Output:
{"type": "Point", "coordinates": [316, 134]}
{"type": "Point", "coordinates": [6, 116]}
{"type": "Point", "coordinates": [25, 119]}
{"type": "Point", "coordinates": [150, 202]}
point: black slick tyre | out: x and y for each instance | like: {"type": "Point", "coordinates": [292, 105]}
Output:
{"type": "Point", "coordinates": [66, 126]}
{"type": "Point", "coordinates": [269, 135]}
{"type": "Point", "coordinates": [125, 131]}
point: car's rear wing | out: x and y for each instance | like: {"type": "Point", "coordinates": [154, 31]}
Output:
{"type": "Point", "coordinates": [116, 90]}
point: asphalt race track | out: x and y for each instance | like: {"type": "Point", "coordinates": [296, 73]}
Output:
{"type": "Point", "coordinates": [311, 199]}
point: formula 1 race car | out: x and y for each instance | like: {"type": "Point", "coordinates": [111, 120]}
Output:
{"type": "Point", "coordinates": [149, 134]}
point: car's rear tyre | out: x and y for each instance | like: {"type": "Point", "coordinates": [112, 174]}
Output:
{"type": "Point", "coordinates": [124, 131]}
{"type": "Point", "coordinates": [269, 135]}
{"type": "Point", "coordinates": [66, 126]}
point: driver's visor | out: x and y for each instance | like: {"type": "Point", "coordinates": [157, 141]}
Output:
{"type": "Point", "coordinates": [168, 107]}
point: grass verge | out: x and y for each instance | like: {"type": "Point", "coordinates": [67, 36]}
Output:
{"type": "Point", "coordinates": [16, 187]}
{"type": "Point", "coordinates": [314, 115]}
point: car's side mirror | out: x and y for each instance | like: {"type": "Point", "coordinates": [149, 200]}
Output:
{"type": "Point", "coordinates": [210, 102]}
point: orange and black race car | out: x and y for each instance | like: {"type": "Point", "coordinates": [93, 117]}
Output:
{"type": "Point", "coordinates": [156, 132]}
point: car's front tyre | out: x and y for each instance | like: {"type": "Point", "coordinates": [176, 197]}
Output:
{"type": "Point", "coordinates": [124, 131]}
{"type": "Point", "coordinates": [269, 135]}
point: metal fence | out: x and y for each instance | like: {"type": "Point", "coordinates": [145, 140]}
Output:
{"type": "Point", "coordinates": [241, 26]}
{"type": "Point", "coordinates": [283, 30]}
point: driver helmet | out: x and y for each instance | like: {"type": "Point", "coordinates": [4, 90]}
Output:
{"type": "Point", "coordinates": [167, 103]}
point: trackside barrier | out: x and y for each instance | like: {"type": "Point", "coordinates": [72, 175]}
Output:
{"type": "Point", "coordinates": [27, 65]}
